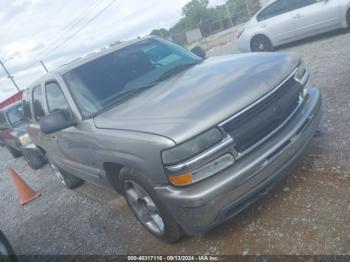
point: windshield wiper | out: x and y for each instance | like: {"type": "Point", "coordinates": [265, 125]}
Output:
{"type": "Point", "coordinates": [114, 101]}
{"type": "Point", "coordinates": [174, 70]}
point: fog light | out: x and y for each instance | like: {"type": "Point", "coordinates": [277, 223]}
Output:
{"type": "Point", "coordinates": [182, 180]}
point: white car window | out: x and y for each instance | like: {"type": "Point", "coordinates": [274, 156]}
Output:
{"type": "Point", "coordinates": [276, 8]}
{"type": "Point", "coordinates": [302, 3]}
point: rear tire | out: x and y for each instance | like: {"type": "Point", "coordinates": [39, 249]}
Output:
{"type": "Point", "coordinates": [261, 43]}
{"type": "Point", "coordinates": [15, 153]}
{"type": "Point", "coordinates": [34, 159]}
{"type": "Point", "coordinates": [69, 181]}
{"type": "Point", "coordinates": [6, 250]}
{"type": "Point", "coordinates": [148, 208]}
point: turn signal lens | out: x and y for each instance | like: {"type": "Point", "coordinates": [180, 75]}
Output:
{"type": "Point", "coordinates": [182, 180]}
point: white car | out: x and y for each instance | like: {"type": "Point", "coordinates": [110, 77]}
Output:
{"type": "Point", "coordinates": [285, 21]}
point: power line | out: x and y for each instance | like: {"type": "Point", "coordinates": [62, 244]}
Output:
{"type": "Point", "coordinates": [67, 28]}
{"type": "Point", "coordinates": [73, 23]}
{"type": "Point", "coordinates": [47, 51]}
{"type": "Point", "coordinates": [79, 17]}
{"type": "Point", "coordinates": [82, 27]}
{"type": "Point", "coordinates": [70, 26]}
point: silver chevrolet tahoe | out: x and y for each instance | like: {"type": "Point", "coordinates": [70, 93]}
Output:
{"type": "Point", "coordinates": [189, 141]}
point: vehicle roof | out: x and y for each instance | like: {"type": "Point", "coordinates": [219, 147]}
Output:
{"type": "Point", "coordinates": [81, 61]}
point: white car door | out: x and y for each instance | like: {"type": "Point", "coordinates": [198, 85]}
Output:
{"type": "Point", "coordinates": [316, 16]}
{"type": "Point", "coordinates": [276, 20]}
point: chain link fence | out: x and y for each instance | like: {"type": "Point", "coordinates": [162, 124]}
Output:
{"type": "Point", "coordinates": [211, 26]}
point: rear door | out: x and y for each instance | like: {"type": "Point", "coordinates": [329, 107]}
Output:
{"type": "Point", "coordinates": [315, 16]}
{"type": "Point", "coordinates": [277, 21]}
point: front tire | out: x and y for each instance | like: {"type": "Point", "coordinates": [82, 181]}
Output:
{"type": "Point", "coordinates": [15, 153]}
{"type": "Point", "coordinates": [348, 18]}
{"type": "Point", "coordinates": [6, 249]}
{"type": "Point", "coordinates": [34, 159]}
{"type": "Point", "coordinates": [69, 181]}
{"type": "Point", "coordinates": [147, 208]}
{"type": "Point", "coordinates": [261, 43]}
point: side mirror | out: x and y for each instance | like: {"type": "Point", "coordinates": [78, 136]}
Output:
{"type": "Point", "coordinates": [56, 121]}
{"type": "Point", "coordinates": [198, 51]}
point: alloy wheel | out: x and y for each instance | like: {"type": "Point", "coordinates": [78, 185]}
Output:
{"type": "Point", "coordinates": [261, 44]}
{"type": "Point", "coordinates": [144, 207]}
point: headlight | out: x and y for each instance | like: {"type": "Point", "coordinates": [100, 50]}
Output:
{"type": "Point", "coordinates": [25, 140]}
{"type": "Point", "coordinates": [192, 147]}
{"type": "Point", "coordinates": [240, 33]}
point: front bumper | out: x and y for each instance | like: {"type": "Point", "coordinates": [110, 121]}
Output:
{"type": "Point", "coordinates": [206, 204]}
{"type": "Point", "coordinates": [242, 44]}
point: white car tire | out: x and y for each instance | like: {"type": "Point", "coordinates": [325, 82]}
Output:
{"type": "Point", "coordinates": [261, 43]}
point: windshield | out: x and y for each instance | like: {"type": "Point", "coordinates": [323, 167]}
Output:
{"type": "Point", "coordinates": [15, 115]}
{"type": "Point", "coordinates": [117, 76]}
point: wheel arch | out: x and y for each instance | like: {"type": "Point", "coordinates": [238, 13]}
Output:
{"type": "Point", "coordinates": [112, 171]}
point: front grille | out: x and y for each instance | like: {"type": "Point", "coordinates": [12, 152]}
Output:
{"type": "Point", "coordinates": [252, 126]}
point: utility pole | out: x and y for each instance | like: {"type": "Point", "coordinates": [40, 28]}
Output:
{"type": "Point", "coordinates": [248, 9]}
{"type": "Point", "coordinates": [229, 14]}
{"type": "Point", "coordinates": [10, 76]}
{"type": "Point", "coordinates": [42, 63]}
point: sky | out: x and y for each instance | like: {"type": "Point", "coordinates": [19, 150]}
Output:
{"type": "Point", "coordinates": [31, 29]}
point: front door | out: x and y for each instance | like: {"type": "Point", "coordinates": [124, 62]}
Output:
{"type": "Point", "coordinates": [315, 16]}
{"type": "Point", "coordinates": [71, 149]}
{"type": "Point", "coordinates": [277, 21]}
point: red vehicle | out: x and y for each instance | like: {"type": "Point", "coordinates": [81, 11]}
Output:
{"type": "Point", "coordinates": [13, 133]}
{"type": "Point", "coordinates": [13, 99]}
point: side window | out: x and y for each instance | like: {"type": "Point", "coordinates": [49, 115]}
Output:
{"type": "Point", "coordinates": [37, 103]}
{"type": "Point", "coordinates": [55, 98]}
{"type": "Point", "coordinates": [275, 9]}
{"type": "Point", "coordinates": [27, 112]}
{"type": "Point", "coordinates": [2, 120]}
{"type": "Point", "coordinates": [302, 3]}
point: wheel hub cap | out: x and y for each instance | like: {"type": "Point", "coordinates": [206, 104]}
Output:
{"type": "Point", "coordinates": [144, 207]}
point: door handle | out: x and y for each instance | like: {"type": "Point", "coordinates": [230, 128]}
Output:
{"type": "Point", "coordinates": [297, 16]}
{"type": "Point", "coordinates": [262, 25]}
{"type": "Point", "coordinates": [54, 137]}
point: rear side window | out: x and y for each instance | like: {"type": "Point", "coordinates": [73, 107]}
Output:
{"type": "Point", "coordinates": [302, 3]}
{"type": "Point", "coordinates": [55, 98]}
{"type": "Point", "coordinates": [3, 122]}
{"type": "Point", "coordinates": [275, 9]}
{"type": "Point", "coordinates": [37, 103]}
{"type": "Point", "coordinates": [26, 106]}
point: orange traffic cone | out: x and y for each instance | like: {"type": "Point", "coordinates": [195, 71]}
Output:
{"type": "Point", "coordinates": [26, 193]}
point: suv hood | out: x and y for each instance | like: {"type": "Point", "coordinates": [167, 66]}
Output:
{"type": "Point", "coordinates": [200, 97]}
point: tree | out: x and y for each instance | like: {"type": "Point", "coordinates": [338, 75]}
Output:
{"type": "Point", "coordinates": [162, 32]}
{"type": "Point", "coordinates": [196, 9]}
{"type": "Point", "coordinates": [196, 13]}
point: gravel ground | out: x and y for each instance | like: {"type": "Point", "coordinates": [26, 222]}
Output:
{"type": "Point", "coordinates": [307, 213]}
